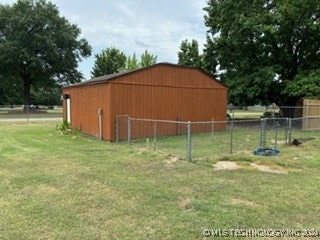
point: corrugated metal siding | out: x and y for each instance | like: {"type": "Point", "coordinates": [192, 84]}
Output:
{"type": "Point", "coordinates": [168, 103]}
{"type": "Point", "coordinates": [85, 102]}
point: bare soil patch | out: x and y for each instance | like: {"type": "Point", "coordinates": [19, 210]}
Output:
{"type": "Point", "coordinates": [185, 203]}
{"type": "Point", "coordinates": [237, 201]}
{"type": "Point", "coordinates": [226, 165]}
{"type": "Point", "coordinates": [264, 168]}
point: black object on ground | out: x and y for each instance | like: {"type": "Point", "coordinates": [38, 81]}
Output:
{"type": "Point", "coordinates": [266, 151]}
{"type": "Point", "coordinates": [296, 142]}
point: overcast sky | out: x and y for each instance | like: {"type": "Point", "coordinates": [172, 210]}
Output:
{"type": "Point", "coordinates": [135, 25]}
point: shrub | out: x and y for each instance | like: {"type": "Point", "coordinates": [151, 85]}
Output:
{"type": "Point", "coordinates": [64, 126]}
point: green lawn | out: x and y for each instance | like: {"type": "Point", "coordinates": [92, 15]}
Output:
{"type": "Point", "coordinates": [251, 114]}
{"type": "Point", "coordinates": [70, 186]}
{"type": "Point", "coordinates": [20, 114]}
{"type": "Point", "coordinates": [238, 113]}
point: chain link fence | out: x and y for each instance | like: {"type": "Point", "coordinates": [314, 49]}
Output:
{"type": "Point", "coordinates": [246, 129]}
{"type": "Point", "coordinates": [26, 113]}
{"type": "Point", "coordinates": [192, 140]}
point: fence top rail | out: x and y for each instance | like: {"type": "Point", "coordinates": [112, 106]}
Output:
{"type": "Point", "coordinates": [157, 120]}
{"type": "Point", "coordinates": [126, 116]}
{"type": "Point", "coordinates": [245, 108]}
{"type": "Point", "coordinates": [213, 121]}
{"type": "Point", "coordinates": [183, 122]}
{"type": "Point", "coordinates": [171, 121]}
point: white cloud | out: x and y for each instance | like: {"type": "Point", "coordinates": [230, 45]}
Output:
{"type": "Point", "coordinates": [135, 25]}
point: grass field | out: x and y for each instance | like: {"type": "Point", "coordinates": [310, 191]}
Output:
{"type": "Point", "coordinates": [7, 113]}
{"type": "Point", "coordinates": [70, 186]}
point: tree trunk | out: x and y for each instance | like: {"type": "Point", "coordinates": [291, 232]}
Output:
{"type": "Point", "coordinates": [288, 107]}
{"type": "Point", "coordinates": [287, 111]}
{"type": "Point", "coordinates": [26, 93]}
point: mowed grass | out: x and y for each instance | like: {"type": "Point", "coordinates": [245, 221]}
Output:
{"type": "Point", "coordinates": [19, 114]}
{"type": "Point", "coordinates": [71, 186]}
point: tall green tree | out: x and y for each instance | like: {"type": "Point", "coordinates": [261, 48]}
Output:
{"type": "Point", "coordinates": [37, 45]}
{"type": "Point", "coordinates": [307, 85]}
{"type": "Point", "coordinates": [189, 54]}
{"type": "Point", "coordinates": [132, 63]}
{"type": "Point", "coordinates": [112, 60]}
{"type": "Point", "coordinates": [147, 59]}
{"type": "Point", "coordinates": [209, 61]}
{"type": "Point", "coordinates": [109, 61]}
{"type": "Point", "coordinates": [264, 46]}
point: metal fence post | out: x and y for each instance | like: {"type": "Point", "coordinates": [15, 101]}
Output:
{"type": "Point", "coordinates": [307, 117]}
{"type": "Point", "coordinates": [178, 125]}
{"type": "Point", "coordinates": [263, 133]}
{"type": "Point", "coordinates": [274, 110]}
{"type": "Point", "coordinates": [231, 131]}
{"type": "Point", "coordinates": [276, 135]}
{"type": "Point", "coordinates": [212, 129]}
{"type": "Point", "coordinates": [100, 112]}
{"type": "Point", "coordinates": [289, 131]}
{"type": "Point", "coordinates": [129, 130]}
{"type": "Point", "coordinates": [286, 131]}
{"type": "Point", "coordinates": [154, 135]}
{"type": "Point", "coordinates": [189, 142]}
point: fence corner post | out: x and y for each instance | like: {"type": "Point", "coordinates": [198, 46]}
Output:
{"type": "Point", "coordinates": [129, 130]}
{"type": "Point", "coordinates": [189, 142]}
{"type": "Point", "coordinates": [289, 131]}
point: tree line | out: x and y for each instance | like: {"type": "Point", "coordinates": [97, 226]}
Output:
{"type": "Point", "coordinates": [265, 51]}
{"type": "Point", "coordinates": [112, 60]}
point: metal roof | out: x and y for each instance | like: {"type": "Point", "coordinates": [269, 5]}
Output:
{"type": "Point", "coordinates": [108, 77]}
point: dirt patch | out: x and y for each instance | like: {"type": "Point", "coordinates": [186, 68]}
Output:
{"type": "Point", "coordinates": [172, 160]}
{"type": "Point", "coordinates": [185, 204]}
{"type": "Point", "coordinates": [244, 202]}
{"type": "Point", "coordinates": [264, 168]}
{"type": "Point", "coordinates": [142, 150]}
{"type": "Point", "coordinates": [279, 142]}
{"type": "Point", "coordinates": [225, 165]}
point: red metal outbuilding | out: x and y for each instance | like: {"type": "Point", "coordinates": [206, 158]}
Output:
{"type": "Point", "coordinates": [163, 91]}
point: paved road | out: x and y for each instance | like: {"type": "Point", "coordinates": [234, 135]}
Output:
{"type": "Point", "coordinates": [29, 120]}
